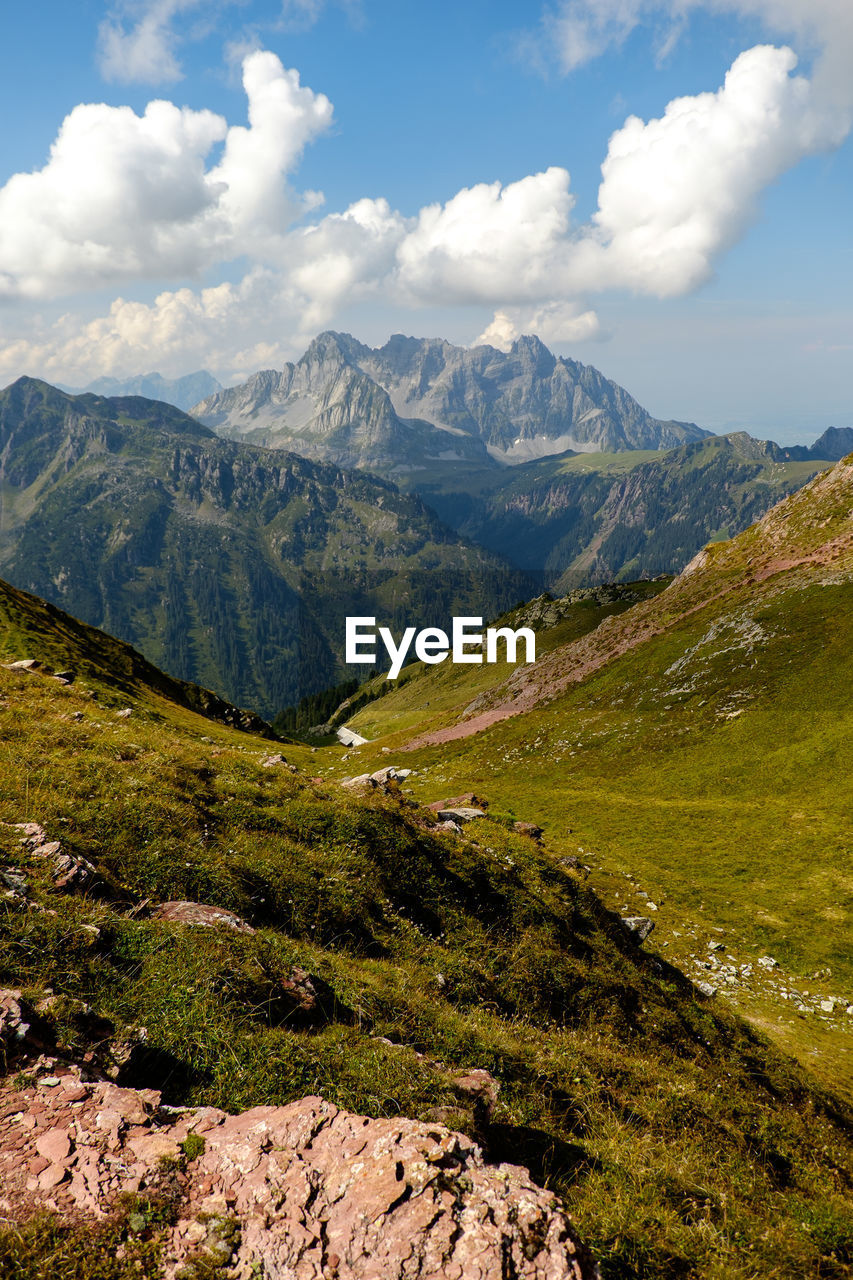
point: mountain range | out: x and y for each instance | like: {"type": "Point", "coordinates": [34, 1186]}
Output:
{"type": "Point", "coordinates": [419, 404]}
{"type": "Point", "coordinates": [228, 565]}
{"type": "Point", "coordinates": [182, 392]}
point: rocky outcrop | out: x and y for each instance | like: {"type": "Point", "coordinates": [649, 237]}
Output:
{"type": "Point", "coordinates": [305, 1191]}
{"type": "Point", "coordinates": [69, 873]}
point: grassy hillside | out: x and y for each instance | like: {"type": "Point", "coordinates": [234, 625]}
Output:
{"type": "Point", "coordinates": [695, 748]}
{"type": "Point", "coordinates": [682, 1142]}
{"type": "Point", "coordinates": [33, 629]}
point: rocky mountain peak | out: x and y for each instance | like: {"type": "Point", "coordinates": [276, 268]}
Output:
{"type": "Point", "coordinates": [435, 403]}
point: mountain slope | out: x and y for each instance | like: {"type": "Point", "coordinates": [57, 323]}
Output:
{"type": "Point", "coordinates": [225, 564]}
{"type": "Point", "coordinates": [423, 403]}
{"type": "Point", "coordinates": [696, 743]}
{"type": "Point", "coordinates": [601, 518]}
{"type": "Point", "coordinates": [398, 970]}
{"type": "Point", "coordinates": [32, 629]}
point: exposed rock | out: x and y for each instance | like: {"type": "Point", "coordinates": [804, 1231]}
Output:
{"type": "Point", "coordinates": [304, 997]}
{"type": "Point", "coordinates": [124, 714]}
{"type": "Point", "coordinates": [469, 798]}
{"type": "Point", "coordinates": [69, 872]}
{"type": "Point", "coordinates": [450, 826]}
{"type": "Point", "coordinates": [706, 988]}
{"type": "Point", "coordinates": [305, 1191]}
{"type": "Point", "coordinates": [199, 913]}
{"type": "Point", "coordinates": [386, 779]}
{"type": "Point", "coordinates": [271, 762]}
{"type": "Point", "coordinates": [23, 664]}
{"type": "Point", "coordinates": [638, 926]}
{"type": "Point", "coordinates": [482, 1089]}
{"type": "Point", "coordinates": [767, 962]}
{"type": "Point", "coordinates": [462, 814]}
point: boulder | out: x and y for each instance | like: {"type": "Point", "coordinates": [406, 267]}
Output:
{"type": "Point", "coordinates": [305, 1191]}
{"type": "Point", "coordinates": [469, 798]}
{"type": "Point", "coordinates": [199, 913]}
{"type": "Point", "coordinates": [462, 814]}
{"type": "Point", "coordinates": [639, 927]}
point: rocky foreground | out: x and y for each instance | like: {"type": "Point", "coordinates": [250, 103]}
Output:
{"type": "Point", "coordinates": [297, 1192]}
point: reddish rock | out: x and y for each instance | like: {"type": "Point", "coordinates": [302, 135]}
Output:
{"type": "Point", "coordinates": [468, 799]}
{"type": "Point", "coordinates": [314, 1192]}
{"type": "Point", "coordinates": [199, 913]}
{"type": "Point", "coordinates": [54, 1145]}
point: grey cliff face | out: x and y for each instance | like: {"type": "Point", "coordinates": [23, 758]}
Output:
{"type": "Point", "coordinates": [419, 402]}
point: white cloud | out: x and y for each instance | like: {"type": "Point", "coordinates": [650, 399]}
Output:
{"type": "Point", "coordinates": [488, 243]}
{"type": "Point", "coordinates": [556, 322]}
{"type": "Point", "coordinates": [581, 30]}
{"type": "Point", "coordinates": [574, 32]}
{"type": "Point", "coordinates": [679, 190]}
{"type": "Point", "coordinates": [124, 196]}
{"type": "Point", "coordinates": [127, 197]}
{"type": "Point", "coordinates": [141, 51]}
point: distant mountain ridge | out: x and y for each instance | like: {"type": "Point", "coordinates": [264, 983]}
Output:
{"type": "Point", "coordinates": [182, 392]}
{"type": "Point", "coordinates": [417, 403]}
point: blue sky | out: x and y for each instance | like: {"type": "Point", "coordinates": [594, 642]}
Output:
{"type": "Point", "coordinates": [459, 152]}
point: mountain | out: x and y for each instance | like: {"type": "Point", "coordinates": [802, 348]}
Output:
{"type": "Point", "coordinates": [329, 971]}
{"type": "Point", "coordinates": [695, 745]}
{"type": "Point", "coordinates": [181, 392]}
{"type": "Point", "coordinates": [835, 443]}
{"type": "Point", "coordinates": [227, 565]}
{"type": "Point", "coordinates": [420, 404]}
{"type": "Point", "coordinates": [585, 518]}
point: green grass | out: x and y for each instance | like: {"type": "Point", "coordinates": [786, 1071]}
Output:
{"type": "Point", "coordinates": [708, 765]}
{"type": "Point", "coordinates": [681, 1141]}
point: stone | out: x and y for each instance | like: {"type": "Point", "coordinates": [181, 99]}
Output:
{"type": "Point", "coordinates": [23, 664]}
{"type": "Point", "coordinates": [54, 1145]}
{"type": "Point", "coordinates": [199, 913]}
{"type": "Point", "coordinates": [638, 926]}
{"type": "Point", "coordinates": [124, 714]}
{"type": "Point", "coordinates": [304, 997]}
{"type": "Point", "coordinates": [469, 798]}
{"type": "Point", "coordinates": [305, 1190]}
{"type": "Point", "coordinates": [767, 962]}
{"type": "Point", "coordinates": [706, 988]}
{"type": "Point", "coordinates": [462, 814]}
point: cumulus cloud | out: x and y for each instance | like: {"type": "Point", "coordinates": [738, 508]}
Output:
{"type": "Point", "coordinates": [556, 322]}
{"type": "Point", "coordinates": [124, 196]}
{"type": "Point", "coordinates": [488, 243]}
{"type": "Point", "coordinates": [679, 190]}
